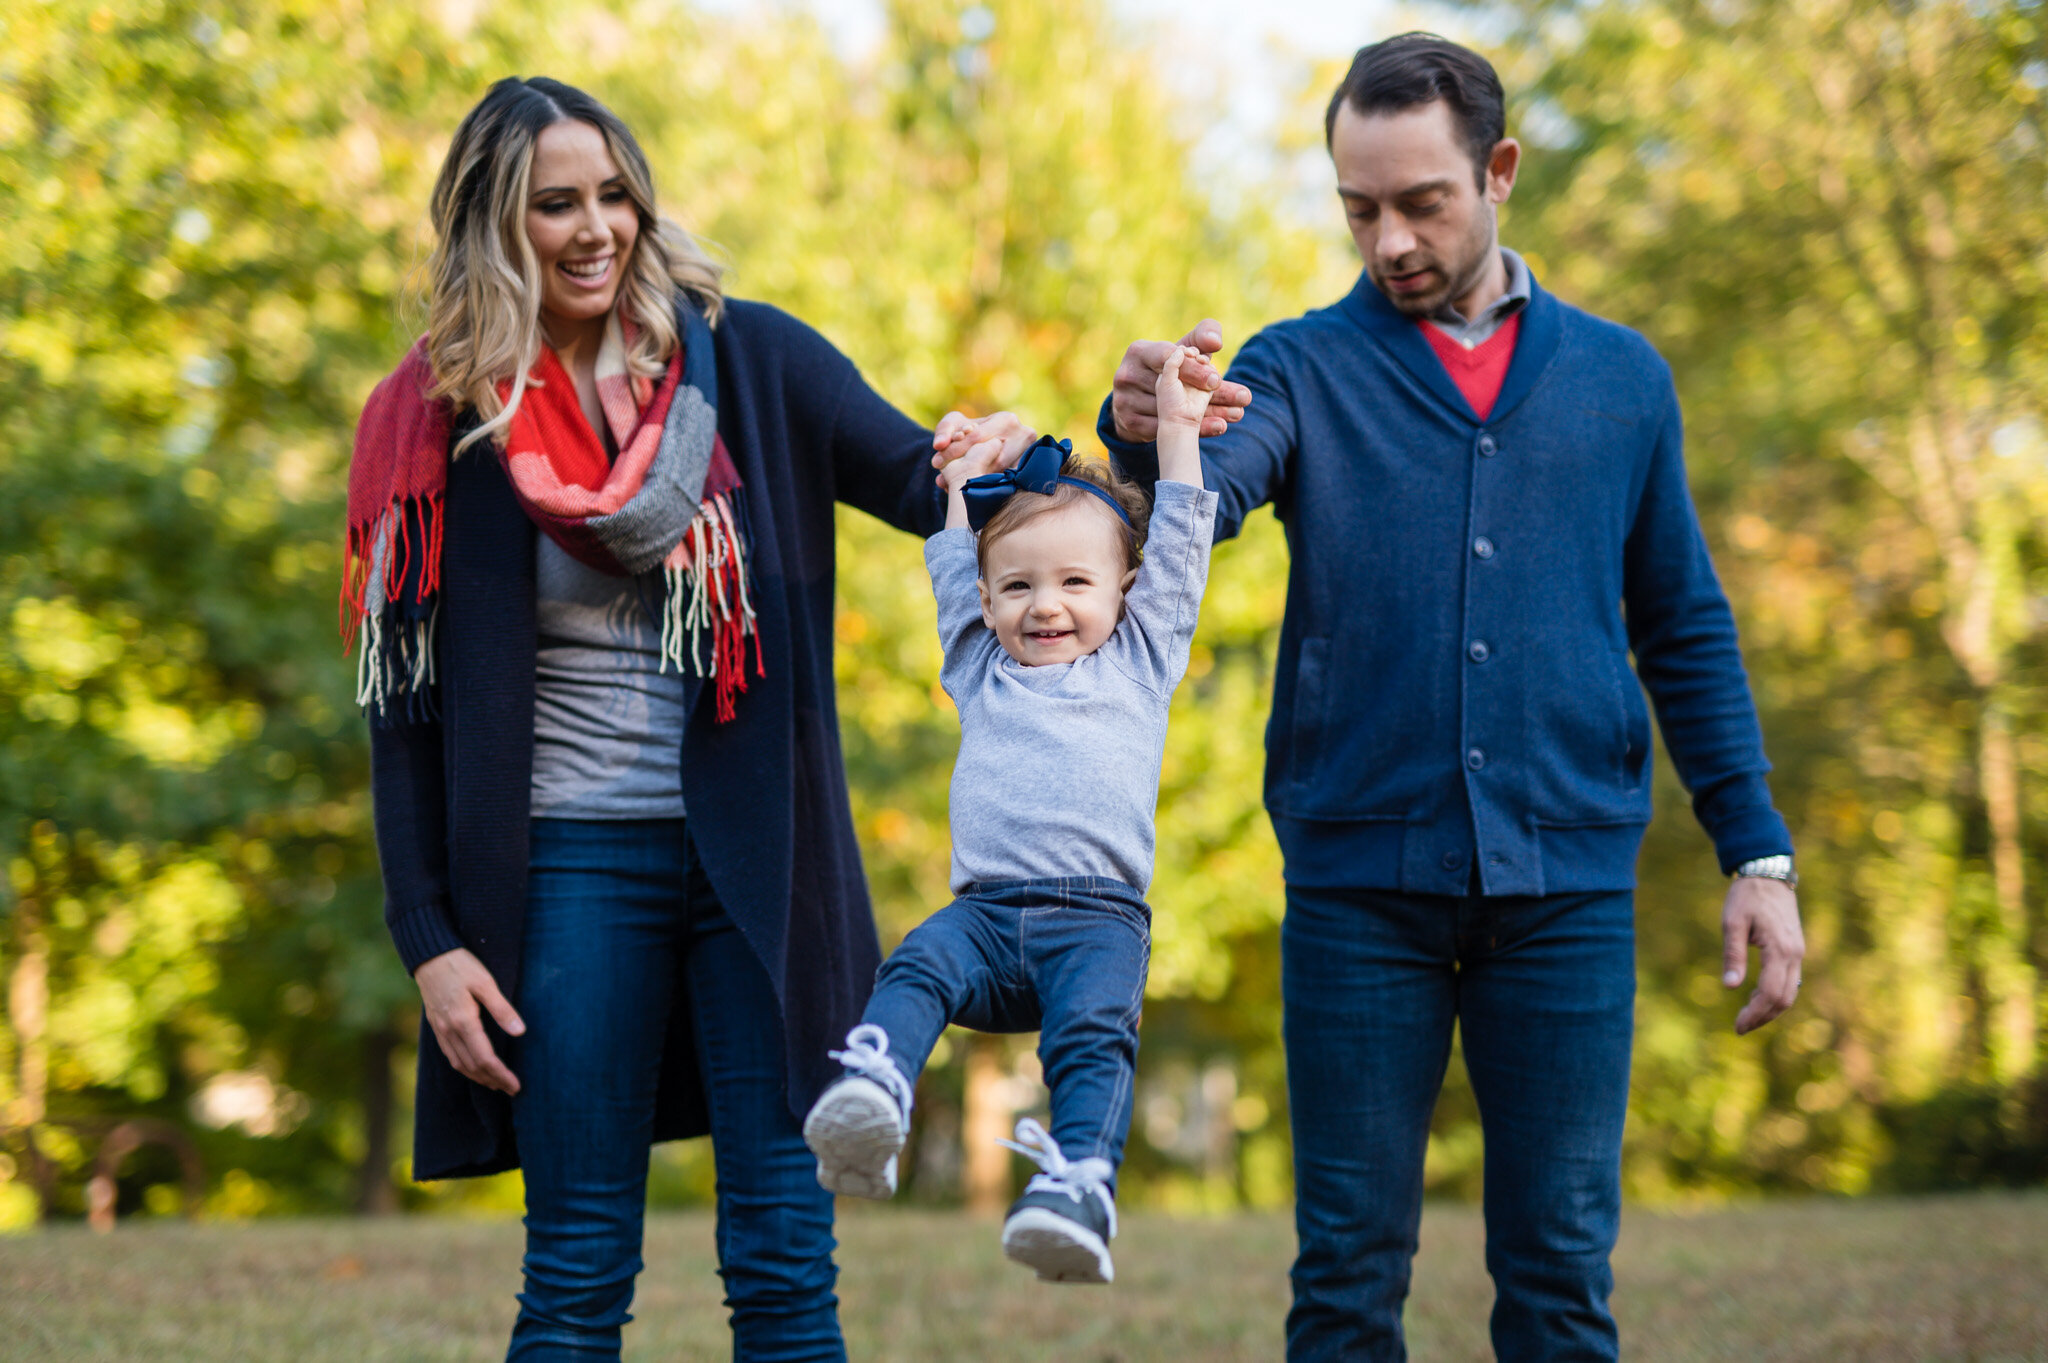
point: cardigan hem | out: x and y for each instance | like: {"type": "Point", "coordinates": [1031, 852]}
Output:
{"type": "Point", "coordinates": [1381, 854]}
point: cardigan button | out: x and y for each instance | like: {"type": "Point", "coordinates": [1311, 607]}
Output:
{"type": "Point", "coordinates": [1475, 759]}
{"type": "Point", "coordinates": [1483, 547]}
{"type": "Point", "coordinates": [1486, 445]}
{"type": "Point", "coordinates": [1478, 651]}
{"type": "Point", "coordinates": [1453, 860]}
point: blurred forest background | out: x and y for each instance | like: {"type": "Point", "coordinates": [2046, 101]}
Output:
{"type": "Point", "coordinates": [1831, 215]}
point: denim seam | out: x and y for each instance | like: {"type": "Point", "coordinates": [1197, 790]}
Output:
{"type": "Point", "coordinates": [1127, 1074]}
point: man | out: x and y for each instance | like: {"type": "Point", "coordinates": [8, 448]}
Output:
{"type": "Point", "coordinates": [1486, 506]}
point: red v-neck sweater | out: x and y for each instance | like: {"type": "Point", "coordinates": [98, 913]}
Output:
{"type": "Point", "coordinates": [1480, 371]}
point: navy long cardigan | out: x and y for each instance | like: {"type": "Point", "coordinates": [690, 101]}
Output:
{"type": "Point", "coordinates": [766, 792]}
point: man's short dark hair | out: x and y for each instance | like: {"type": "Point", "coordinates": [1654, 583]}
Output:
{"type": "Point", "coordinates": [1421, 68]}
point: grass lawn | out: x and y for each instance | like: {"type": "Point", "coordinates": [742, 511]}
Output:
{"type": "Point", "coordinates": [1939, 1279]}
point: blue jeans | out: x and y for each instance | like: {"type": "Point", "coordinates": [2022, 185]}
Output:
{"type": "Point", "coordinates": [622, 926]}
{"type": "Point", "coordinates": [1065, 958]}
{"type": "Point", "coordinates": [1543, 991]}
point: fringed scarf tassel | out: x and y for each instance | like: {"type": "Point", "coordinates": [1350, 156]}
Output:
{"type": "Point", "coordinates": [708, 593]}
{"type": "Point", "coordinates": [390, 603]}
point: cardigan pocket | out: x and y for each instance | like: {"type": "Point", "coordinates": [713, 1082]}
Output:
{"type": "Point", "coordinates": [1632, 744]}
{"type": "Point", "coordinates": [1307, 716]}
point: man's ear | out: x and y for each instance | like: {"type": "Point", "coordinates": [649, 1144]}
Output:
{"type": "Point", "coordinates": [988, 615]}
{"type": "Point", "coordinates": [1501, 169]}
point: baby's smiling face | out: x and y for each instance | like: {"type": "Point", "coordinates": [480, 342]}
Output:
{"type": "Point", "coordinates": [1053, 588]}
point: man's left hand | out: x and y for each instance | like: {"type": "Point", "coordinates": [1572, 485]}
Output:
{"type": "Point", "coordinates": [1765, 914]}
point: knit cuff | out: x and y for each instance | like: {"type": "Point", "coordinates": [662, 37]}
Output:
{"type": "Point", "coordinates": [422, 933]}
{"type": "Point", "coordinates": [1139, 459]}
{"type": "Point", "coordinates": [1758, 831]}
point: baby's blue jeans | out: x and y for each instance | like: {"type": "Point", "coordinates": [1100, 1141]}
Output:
{"type": "Point", "coordinates": [1063, 957]}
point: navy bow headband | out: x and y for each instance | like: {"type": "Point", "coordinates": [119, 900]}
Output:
{"type": "Point", "coordinates": [1037, 471]}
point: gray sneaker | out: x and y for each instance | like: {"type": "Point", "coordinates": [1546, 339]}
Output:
{"type": "Point", "coordinates": [1062, 1225]}
{"type": "Point", "coordinates": [858, 1125]}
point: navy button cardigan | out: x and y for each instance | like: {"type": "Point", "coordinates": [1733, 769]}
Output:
{"type": "Point", "coordinates": [1453, 694]}
{"type": "Point", "coordinates": [766, 793]}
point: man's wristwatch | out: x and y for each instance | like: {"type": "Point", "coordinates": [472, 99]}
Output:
{"type": "Point", "coordinates": [1778, 867]}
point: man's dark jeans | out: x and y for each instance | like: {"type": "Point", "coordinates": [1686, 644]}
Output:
{"type": "Point", "coordinates": [1542, 991]}
{"type": "Point", "coordinates": [1064, 957]}
{"type": "Point", "coordinates": [621, 926]}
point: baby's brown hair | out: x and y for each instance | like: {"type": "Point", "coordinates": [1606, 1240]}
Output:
{"type": "Point", "coordinates": [1024, 507]}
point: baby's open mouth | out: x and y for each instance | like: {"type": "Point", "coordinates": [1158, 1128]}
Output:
{"type": "Point", "coordinates": [1046, 636]}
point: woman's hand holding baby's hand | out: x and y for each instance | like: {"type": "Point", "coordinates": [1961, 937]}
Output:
{"type": "Point", "coordinates": [986, 456]}
{"type": "Point", "coordinates": [957, 434]}
{"type": "Point", "coordinates": [972, 459]}
{"type": "Point", "coordinates": [1179, 403]}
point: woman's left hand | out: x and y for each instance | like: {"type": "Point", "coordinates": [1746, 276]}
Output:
{"type": "Point", "coordinates": [985, 457]}
{"type": "Point", "coordinates": [956, 434]}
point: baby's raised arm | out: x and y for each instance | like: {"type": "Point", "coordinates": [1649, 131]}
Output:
{"type": "Point", "coordinates": [1181, 409]}
{"type": "Point", "coordinates": [986, 457]}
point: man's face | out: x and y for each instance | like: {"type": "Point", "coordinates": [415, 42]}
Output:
{"type": "Point", "coordinates": [1424, 227]}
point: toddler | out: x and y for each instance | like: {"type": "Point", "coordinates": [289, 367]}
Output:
{"type": "Point", "coordinates": [1062, 651]}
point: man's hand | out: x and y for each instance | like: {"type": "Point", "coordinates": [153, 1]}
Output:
{"type": "Point", "coordinates": [452, 986]}
{"type": "Point", "coordinates": [1181, 403]}
{"type": "Point", "coordinates": [1134, 398]}
{"type": "Point", "coordinates": [956, 434]}
{"type": "Point", "coordinates": [1764, 914]}
{"type": "Point", "coordinates": [1182, 408]}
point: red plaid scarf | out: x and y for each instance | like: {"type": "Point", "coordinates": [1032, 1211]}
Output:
{"type": "Point", "coordinates": [623, 516]}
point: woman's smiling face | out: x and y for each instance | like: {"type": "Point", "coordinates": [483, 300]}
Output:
{"type": "Point", "coordinates": [582, 223]}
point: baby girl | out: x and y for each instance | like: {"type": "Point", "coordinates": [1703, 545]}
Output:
{"type": "Point", "coordinates": [1066, 610]}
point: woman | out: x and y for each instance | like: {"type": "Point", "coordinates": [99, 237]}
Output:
{"type": "Point", "coordinates": [632, 901]}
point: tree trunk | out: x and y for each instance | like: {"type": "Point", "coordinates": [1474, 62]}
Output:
{"type": "Point", "coordinates": [376, 1195]}
{"type": "Point", "coordinates": [2014, 998]}
{"type": "Point", "coordinates": [986, 1167]}
{"type": "Point", "coordinates": [1999, 779]}
{"type": "Point", "coordinates": [28, 1009]}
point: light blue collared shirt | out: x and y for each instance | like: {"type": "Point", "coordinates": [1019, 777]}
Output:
{"type": "Point", "coordinates": [1476, 332]}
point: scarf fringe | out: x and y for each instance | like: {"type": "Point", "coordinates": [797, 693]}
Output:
{"type": "Point", "coordinates": [707, 591]}
{"type": "Point", "coordinates": [397, 661]}
{"type": "Point", "coordinates": [397, 642]}
{"type": "Point", "coordinates": [707, 594]}
{"type": "Point", "coordinates": [383, 551]}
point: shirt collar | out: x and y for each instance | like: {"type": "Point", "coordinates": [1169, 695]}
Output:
{"type": "Point", "coordinates": [1490, 316]}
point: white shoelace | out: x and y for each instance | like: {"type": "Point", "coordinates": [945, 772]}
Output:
{"type": "Point", "coordinates": [867, 1054]}
{"type": "Point", "coordinates": [1076, 1178]}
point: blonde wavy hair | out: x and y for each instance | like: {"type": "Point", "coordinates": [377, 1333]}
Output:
{"type": "Point", "coordinates": [484, 281]}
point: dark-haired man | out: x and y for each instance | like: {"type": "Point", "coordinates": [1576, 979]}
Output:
{"type": "Point", "coordinates": [1486, 506]}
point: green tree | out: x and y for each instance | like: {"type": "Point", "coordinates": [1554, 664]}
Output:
{"type": "Point", "coordinates": [1828, 216]}
{"type": "Point", "coordinates": [189, 301]}
{"type": "Point", "coordinates": [218, 210]}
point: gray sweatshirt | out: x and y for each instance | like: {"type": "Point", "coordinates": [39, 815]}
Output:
{"type": "Point", "coordinates": [1058, 773]}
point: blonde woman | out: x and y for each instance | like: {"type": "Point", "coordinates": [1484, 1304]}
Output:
{"type": "Point", "coordinates": [591, 567]}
